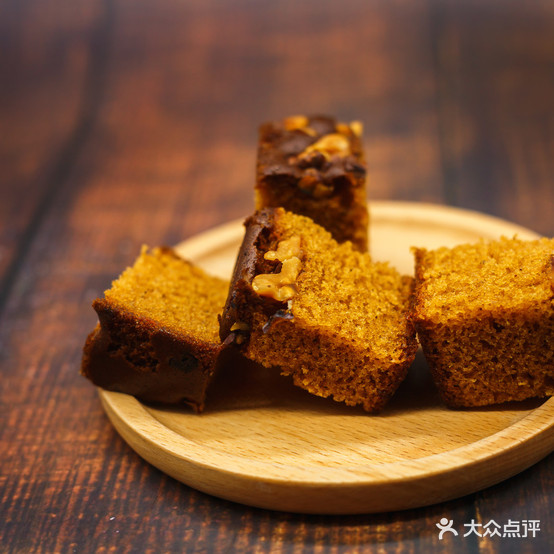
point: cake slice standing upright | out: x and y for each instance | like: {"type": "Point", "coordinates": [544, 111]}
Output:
{"type": "Point", "coordinates": [322, 312]}
{"type": "Point", "coordinates": [315, 166]}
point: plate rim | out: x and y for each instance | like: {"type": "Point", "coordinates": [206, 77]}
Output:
{"type": "Point", "coordinates": [441, 214]}
{"type": "Point", "coordinates": [125, 408]}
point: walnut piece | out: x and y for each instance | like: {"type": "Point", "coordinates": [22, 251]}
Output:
{"type": "Point", "coordinates": [333, 144]}
{"type": "Point", "coordinates": [298, 123]}
{"type": "Point", "coordinates": [281, 286]}
{"type": "Point", "coordinates": [354, 128]}
{"type": "Point", "coordinates": [357, 128]}
{"type": "Point", "coordinates": [239, 328]}
{"type": "Point", "coordinates": [285, 249]}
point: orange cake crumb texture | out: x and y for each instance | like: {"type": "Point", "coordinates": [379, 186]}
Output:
{"type": "Point", "coordinates": [176, 294]}
{"type": "Point", "coordinates": [158, 332]}
{"type": "Point", "coordinates": [484, 314]}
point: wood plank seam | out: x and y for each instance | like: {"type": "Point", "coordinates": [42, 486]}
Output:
{"type": "Point", "coordinates": [93, 91]}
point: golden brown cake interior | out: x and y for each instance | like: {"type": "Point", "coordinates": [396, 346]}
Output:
{"type": "Point", "coordinates": [157, 337]}
{"type": "Point", "coordinates": [485, 318]}
{"type": "Point", "coordinates": [178, 295]}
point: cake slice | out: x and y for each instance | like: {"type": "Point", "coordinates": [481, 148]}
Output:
{"type": "Point", "coordinates": [158, 332]}
{"type": "Point", "coordinates": [485, 318]}
{"type": "Point", "coordinates": [321, 311]}
{"type": "Point", "coordinates": [315, 166]}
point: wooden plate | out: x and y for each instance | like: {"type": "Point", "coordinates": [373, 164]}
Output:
{"type": "Point", "coordinates": [266, 443]}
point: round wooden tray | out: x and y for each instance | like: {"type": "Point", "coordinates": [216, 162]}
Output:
{"type": "Point", "coordinates": [263, 442]}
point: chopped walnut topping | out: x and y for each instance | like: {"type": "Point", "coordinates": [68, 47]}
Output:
{"type": "Point", "coordinates": [344, 129]}
{"type": "Point", "coordinates": [239, 328]}
{"type": "Point", "coordinates": [299, 123]}
{"type": "Point", "coordinates": [357, 128]}
{"type": "Point", "coordinates": [285, 249]}
{"type": "Point", "coordinates": [329, 145]}
{"type": "Point", "coordinates": [309, 180]}
{"type": "Point", "coordinates": [280, 286]}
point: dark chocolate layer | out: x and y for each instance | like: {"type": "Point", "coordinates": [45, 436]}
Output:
{"type": "Point", "coordinates": [258, 239]}
{"type": "Point", "coordinates": [152, 363]}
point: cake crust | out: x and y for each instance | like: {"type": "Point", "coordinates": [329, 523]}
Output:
{"type": "Point", "coordinates": [241, 297]}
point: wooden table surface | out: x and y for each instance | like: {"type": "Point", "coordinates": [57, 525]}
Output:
{"type": "Point", "coordinates": [128, 122]}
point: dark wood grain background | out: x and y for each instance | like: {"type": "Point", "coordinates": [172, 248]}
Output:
{"type": "Point", "coordinates": [124, 122]}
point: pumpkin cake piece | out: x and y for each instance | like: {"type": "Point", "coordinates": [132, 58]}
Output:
{"type": "Point", "coordinates": [322, 312]}
{"type": "Point", "coordinates": [158, 333]}
{"type": "Point", "coordinates": [315, 166]}
{"type": "Point", "coordinates": [484, 314]}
